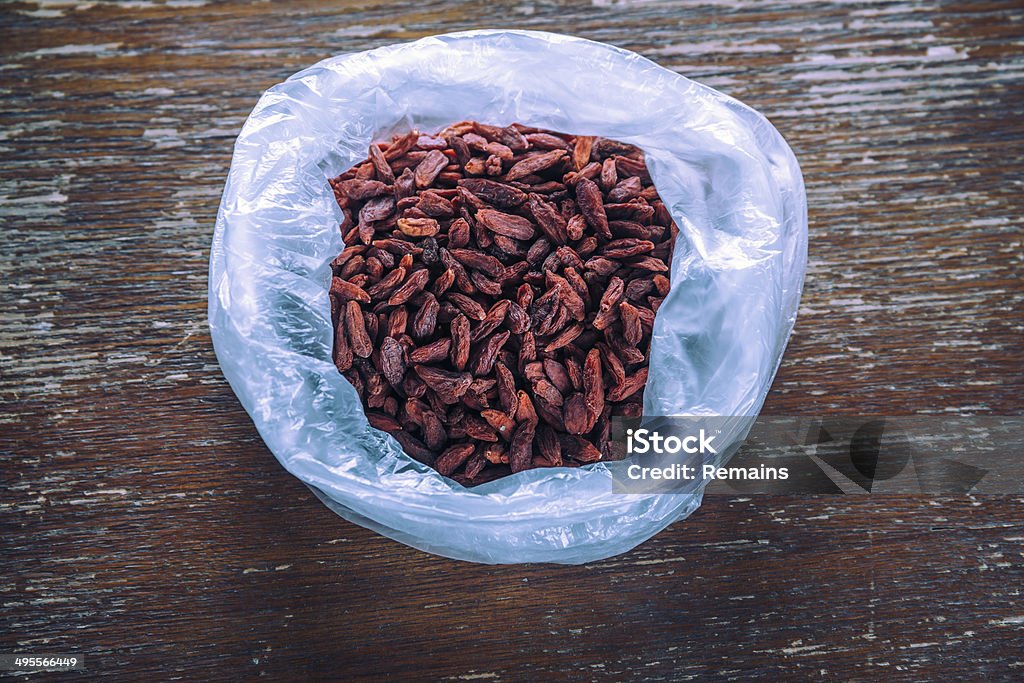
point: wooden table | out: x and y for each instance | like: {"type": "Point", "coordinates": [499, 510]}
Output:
{"type": "Point", "coordinates": [146, 526]}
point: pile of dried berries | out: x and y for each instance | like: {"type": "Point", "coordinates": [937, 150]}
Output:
{"type": "Point", "coordinates": [494, 305]}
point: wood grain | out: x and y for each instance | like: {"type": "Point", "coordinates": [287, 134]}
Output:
{"type": "Point", "coordinates": [145, 525]}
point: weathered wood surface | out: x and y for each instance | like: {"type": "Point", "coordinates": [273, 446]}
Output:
{"type": "Point", "coordinates": [145, 525]}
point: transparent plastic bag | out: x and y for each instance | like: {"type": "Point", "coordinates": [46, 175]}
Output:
{"type": "Point", "coordinates": [730, 181]}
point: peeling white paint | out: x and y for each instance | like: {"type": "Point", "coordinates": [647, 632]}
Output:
{"type": "Point", "coordinates": [97, 49]}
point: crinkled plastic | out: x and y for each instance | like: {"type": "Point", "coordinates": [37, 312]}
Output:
{"type": "Point", "coordinates": [733, 187]}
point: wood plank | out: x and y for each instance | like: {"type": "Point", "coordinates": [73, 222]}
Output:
{"type": "Point", "coordinates": [146, 526]}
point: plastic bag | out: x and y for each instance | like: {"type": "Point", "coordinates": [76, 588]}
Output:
{"type": "Point", "coordinates": [729, 179]}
